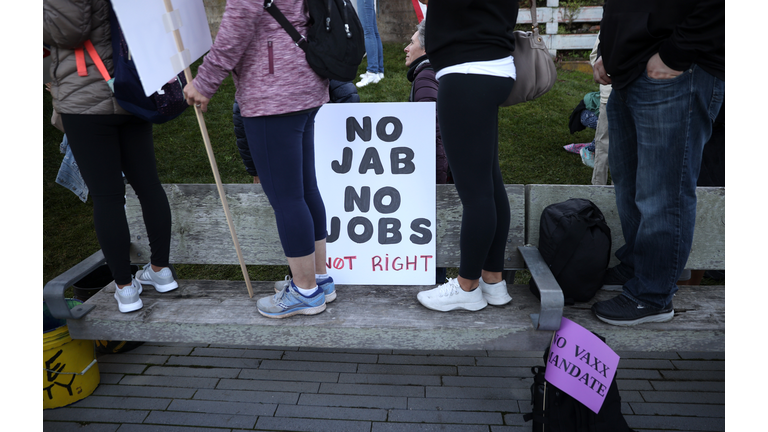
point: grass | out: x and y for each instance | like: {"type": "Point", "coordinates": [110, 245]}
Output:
{"type": "Point", "coordinates": [531, 139]}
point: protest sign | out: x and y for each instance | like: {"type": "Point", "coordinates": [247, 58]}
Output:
{"type": "Point", "coordinates": [376, 172]}
{"type": "Point", "coordinates": [581, 365]}
{"type": "Point", "coordinates": [148, 31]}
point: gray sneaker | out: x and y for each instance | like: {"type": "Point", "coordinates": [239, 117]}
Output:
{"type": "Point", "coordinates": [328, 287]}
{"type": "Point", "coordinates": [162, 281]}
{"type": "Point", "coordinates": [128, 297]}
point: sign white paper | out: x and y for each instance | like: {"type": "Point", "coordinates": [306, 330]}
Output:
{"type": "Point", "coordinates": [376, 172]}
{"type": "Point", "coordinates": [148, 30]}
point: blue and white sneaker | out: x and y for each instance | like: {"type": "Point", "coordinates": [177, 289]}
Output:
{"type": "Point", "coordinates": [162, 281]}
{"type": "Point", "coordinates": [289, 302]}
{"type": "Point", "coordinates": [329, 288]}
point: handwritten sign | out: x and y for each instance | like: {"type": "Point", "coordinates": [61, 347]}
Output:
{"type": "Point", "coordinates": [375, 167]}
{"type": "Point", "coordinates": [581, 365]}
{"type": "Point", "coordinates": [148, 31]}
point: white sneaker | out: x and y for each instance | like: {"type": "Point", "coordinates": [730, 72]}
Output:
{"type": "Point", "coordinates": [495, 294]}
{"type": "Point", "coordinates": [450, 296]}
{"type": "Point", "coordinates": [381, 76]}
{"type": "Point", "coordinates": [128, 297]}
{"type": "Point", "coordinates": [370, 78]}
{"type": "Point", "coordinates": [162, 281]}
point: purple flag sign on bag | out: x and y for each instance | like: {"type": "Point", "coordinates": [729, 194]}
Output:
{"type": "Point", "coordinates": [581, 365]}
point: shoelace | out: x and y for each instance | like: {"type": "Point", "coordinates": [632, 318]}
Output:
{"type": "Point", "coordinates": [449, 288]}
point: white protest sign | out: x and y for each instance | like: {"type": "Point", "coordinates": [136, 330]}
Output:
{"type": "Point", "coordinates": [148, 31]}
{"type": "Point", "coordinates": [376, 172]}
{"type": "Point", "coordinates": [581, 365]}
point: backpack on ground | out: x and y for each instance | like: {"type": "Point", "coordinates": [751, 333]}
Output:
{"type": "Point", "coordinates": [556, 411]}
{"type": "Point", "coordinates": [165, 104]}
{"type": "Point", "coordinates": [575, 242]}
{"type": "Point", "coordinates": [334, 44]}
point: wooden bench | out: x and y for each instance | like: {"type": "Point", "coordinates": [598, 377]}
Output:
{"type": "Point", "coordinates": [211, 311]}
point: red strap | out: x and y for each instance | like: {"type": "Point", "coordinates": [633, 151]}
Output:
{"type": "Point", "coordinates": [417, 9]}
{"type": "Point", "coordinates": [82, 70]}
{"type": "Point", "coordinates": [96, 60]}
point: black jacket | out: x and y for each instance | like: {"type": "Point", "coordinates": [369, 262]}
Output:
{"type": "Point", "coordinates": [683, 32]}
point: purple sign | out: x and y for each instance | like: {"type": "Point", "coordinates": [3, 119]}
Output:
{"type": "Point", "coordinates": [581, 365]}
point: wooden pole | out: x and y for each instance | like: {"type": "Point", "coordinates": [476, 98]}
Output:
{"type": "Point", "coordinates": [212, 159]}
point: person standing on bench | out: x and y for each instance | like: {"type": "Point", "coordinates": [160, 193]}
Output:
{"type": "Point", "coordinates": [469, 44]}
{"type": "Point", "coordinates": [666, 63]}
{"type": "Point", "coordinates": [106, 142]}
{"type": "Point", "coordinates": [279, 96]}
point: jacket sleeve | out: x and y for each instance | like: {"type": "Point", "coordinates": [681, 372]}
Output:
{"type": "Point", "coordinates": [238, 25]}
{"type": "Point", "coordinates": [425, 90]}
{"type": "Point", "coordinates": [703, 29]}
{"type": "Point", "coordinates": [66, 23]}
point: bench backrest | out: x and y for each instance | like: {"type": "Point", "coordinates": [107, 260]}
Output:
{"type": "Point", "coordinates": [201, 234]}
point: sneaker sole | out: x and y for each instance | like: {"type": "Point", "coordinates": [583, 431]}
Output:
{"type": "Point", "coordinates": [303, 311]}
{"type": "Point", "coordinates": [660, 318]}
{"type": "Point", "coordinates": [497, 300]}
{"type": "Point", "coordinates": [130, 307]}
{"type": "Point", "coordinates": [473, 307]}
{"type": "Point", "coordinates": [159, 288]}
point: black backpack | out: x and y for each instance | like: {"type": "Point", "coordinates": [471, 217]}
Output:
{"type": "Point", "coordinates": [556, 411]}
{"type": "Point", "coordinates": [575, 242]}
{"type": "Point", "coordinates": [334, 44]}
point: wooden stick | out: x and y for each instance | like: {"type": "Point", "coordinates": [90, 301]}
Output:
{"type": "Point", "coordinates": [212, 159]}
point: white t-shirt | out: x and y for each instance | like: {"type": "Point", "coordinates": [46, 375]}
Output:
{"type": "Point", "coordinates": [504, 67]}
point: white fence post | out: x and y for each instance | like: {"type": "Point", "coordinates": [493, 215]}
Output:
{"type": "Point", "coordinates": [552, 15]}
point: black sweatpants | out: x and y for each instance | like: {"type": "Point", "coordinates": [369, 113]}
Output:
{"type": "Point", "coordinates": [105, 146]}
{"type": "Point", "coordinates": [467, 110]}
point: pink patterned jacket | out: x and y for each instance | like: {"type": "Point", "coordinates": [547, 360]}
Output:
{"type": "Point", "coordinates": [270, 72]}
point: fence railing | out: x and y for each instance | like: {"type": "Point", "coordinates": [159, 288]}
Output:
{"type": "Point", "coordinates": [553, 14]}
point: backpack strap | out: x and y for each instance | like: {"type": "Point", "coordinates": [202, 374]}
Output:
{"type": "Point", "coordinates": [273, 10]}
{"type": "Point", "coordinates": [82, 69]}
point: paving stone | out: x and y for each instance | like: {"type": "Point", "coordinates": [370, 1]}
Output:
{"type": "Point", "coordinates": [224, 362]}
{"type": "Point", "coordinates": [132, 357]}
{"type": "Point", "coordinates": [623, 384]}
{"type": "Point", "coordinates": [326, 412]}
{"type": "Point", "coordinates": [676, 423]}
{"type": "Point", "coordinates": [521, 354]}
{"type": "Point", "coordinates": [626, 364]}
{"type": "Point", "coordinates": [123, 403]}
{"type": "Point", "coordinates": [630, 395]}
{"type": "Point", "coordinates": [682, 397]}
{"type": "Point", "coordinates": [98, 415]}
{"type": "Point", "coordinates": [462, 381]}
{"type": "Point", "coordinates": [449, 353]}
{"type": "Point", "coordinates": [694, 375]}
{"type": "Point", "coordinates": [161, 428]}
{"type": "Point", "coordinates": [346, 350]}
{"type": "Point", "coordinates": [678, 409]}
{"type": "Point", "coordinates": [516, 419]}
{"type": "Point", "coordinates": [437, 360]}
{"type": "Point", "coordinates": [699, 365]}
{"type": "Point", "coordinates": [51, 426]}
{"type": "Point", "coordinates": [712, 355]}
{"type": "Point", "coordinates": [207, 406]}
{"type": "Point", "coordinates": [705, 386]}
{"type": "Point", "coordinates": [406, 369]}
{"type": "Point", "coordinates": [524, 362]}
{"type": "Point", "coordinates": [372, 390]}
{"type": "Point", "coordinates": [648, 355]}
{"type": "Point", "coordinates": [109, 378]}
{"type": "Point", "coordinates": [201, 420]}
{"type": "Point", "coordinates": [163, 381]}
{"type": "Point", "coordinates": [421, 427]}
{"type": "Point", "coordinates": [192, 372]}
{"type": "Point", "coordinates": [247, 396]}
{"type": "Point", "coordinates": [234, 352]}
{"type": "Point", "coordinates": [478, 393]}
{"type": "Point", "coordinates": [442, 417]}
{"type": "Point", "coordinates": [364, 378]}
{"type": "Point", "coordinates": [482, 405]}
{"type": "Point", "coordinates": [330, 357]}
{"type": "Point", "coordinates": [121, 368]}
{"type": "Point", "coordinates": [288, 375]}
{"type": "Point", "coordinates": [647, 374]}
{"type": "Point", "coordinates": [144, 391]}
{"type": "Point", "coordinates": [354, 401]}
{"type": "Point", "coordinates": [150, 349]}
{"type": "Point", "coordinates": [488, 371]}
{"type": "Point", "coordinates": [308, 366]}
{"type": "Point", "coordinates": [311, 425]}
{"type": "Point", "coordinates": [495, 428]}
{"type": "Point", "coordinates": [263, 385]}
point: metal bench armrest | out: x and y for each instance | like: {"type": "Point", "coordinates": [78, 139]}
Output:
{"type": "Point", "coordinates": [53, 291]}
{"type": "Point", "coordinates": [552, 301]}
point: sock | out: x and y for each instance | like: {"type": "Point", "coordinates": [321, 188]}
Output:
{"type": "Point", "coordinates": [304, 292]}
{"type": "Point", "coordinates": [319, 278]}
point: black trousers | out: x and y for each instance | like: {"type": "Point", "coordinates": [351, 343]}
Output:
{"type": "Point", "coordinates": [105, 147]}
{"type": "Point", "coordinates": [468, 109]}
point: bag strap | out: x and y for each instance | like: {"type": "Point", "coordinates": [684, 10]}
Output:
{"type": "Point", "coordinates": [273, 10]}
{"type": "Point", "coordinates": [82, 69]}
{"type": "Point", "coordinates": [534, 20]}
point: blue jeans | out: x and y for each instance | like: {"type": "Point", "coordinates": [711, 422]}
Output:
{"type": "Point", "coordinates": [373, 48]}
{"type": "Point", "coordinates": [658, 129]}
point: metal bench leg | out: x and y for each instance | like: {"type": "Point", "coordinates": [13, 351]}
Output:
{"type": "Point", "coordinates": [53, 291]}
{"type": "Point", "coordinates": [551, 312]}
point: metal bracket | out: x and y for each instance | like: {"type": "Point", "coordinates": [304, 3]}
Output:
{"type": "Point", "coordinates": [551, 312]}
{"type": "Point", "coordinates": [53, 291]}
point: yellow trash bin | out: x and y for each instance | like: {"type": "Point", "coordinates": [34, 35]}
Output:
{"type": "Point", "coordinates": [70, 371]}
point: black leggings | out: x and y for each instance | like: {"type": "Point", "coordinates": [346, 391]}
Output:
{"type": "Point", "coordinates": [104, 146]}
{"type": "Point", "coordinates": [467, 109]}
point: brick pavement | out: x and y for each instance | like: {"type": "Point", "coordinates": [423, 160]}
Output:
{"type": "Point", "coordinates": [189, 388]}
